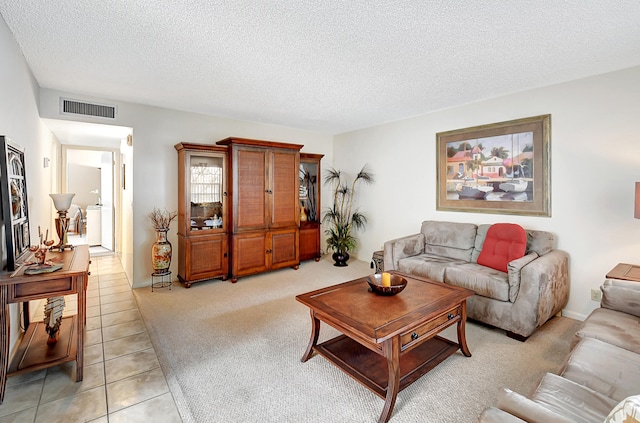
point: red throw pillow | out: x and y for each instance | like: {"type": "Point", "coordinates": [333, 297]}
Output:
{"type": "Point", "coordinates": [503, 243]}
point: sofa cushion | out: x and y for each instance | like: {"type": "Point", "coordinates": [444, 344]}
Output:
{"type": "Point", "coordinates": [613, 327]}
{"type": "Point", "coordinates": [483, 280]}
{"type": "Point", "coordinates": [427, 266]}
{"type": "Point", "coordinates": [540, 242]}
{"type": "Point", "coordinates": [605, 368]}
{"type": "Point", "coordinates": [504, 242]}
{"type": "Point", "coordinates": [449, 239]}
{"type": "Point", "coordinates": [572, 400]}
{"type": "Point", "coordinates": [621, 295]}
{"type": "Point", "coordinates": [627, 411]}
{"type": "Point", "coordinates": [477, 247]}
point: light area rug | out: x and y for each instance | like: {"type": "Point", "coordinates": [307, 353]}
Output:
{"type": "Point", "coordinates": [231, 353]}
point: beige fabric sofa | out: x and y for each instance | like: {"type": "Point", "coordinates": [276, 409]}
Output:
{"type": "Point", "coordinates": [600, 373]}
{"type": "Point", "coordinates": [535, 288]}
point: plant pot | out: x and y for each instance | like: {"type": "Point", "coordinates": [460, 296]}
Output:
{"type": "Point", "coordinates": [340, 259]}
{"type": "Point", "coordinates": [161, 253]}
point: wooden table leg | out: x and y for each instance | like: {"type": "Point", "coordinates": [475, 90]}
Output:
{"type": "Point", "coordinates": [315, 331]}
{"type": "Point", "coordinates": [81, 284]}
{"type": "Point", "coordinates": [391, 350]}
{"type": "Point", "coordinates": [462, 333]}
{"type": "Point", "coordinates": [4, 339]}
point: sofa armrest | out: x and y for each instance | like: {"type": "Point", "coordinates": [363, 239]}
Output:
{"type": "Point", "coordinates": [514, 269]}
{"type": "Point", "coordinates": [544, 290]}
{"type": "Point", "coordinates": [526, 409]}
{"type": "Point", "coordinates": [399, 248]}
{"type": "Point", "coordinates": [495, 415]}
{"type": "Point", "coordinates": [623, 296]}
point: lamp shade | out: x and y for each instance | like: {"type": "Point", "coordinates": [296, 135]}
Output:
{"type": "Point", "coordinates": [636, 212]}
{"type": "Point", "coordinates": [62, 202]}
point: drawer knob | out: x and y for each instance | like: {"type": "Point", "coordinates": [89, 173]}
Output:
{"type": "Point", "coordinates": [450, 316]}
{"type": "Point", "coordinates": [414, 336]}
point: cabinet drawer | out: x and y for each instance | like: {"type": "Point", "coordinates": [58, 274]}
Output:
{"type": "Point", "coordinates": [42, 289]}
{"type": "Point", "coordinates": [424, 330]}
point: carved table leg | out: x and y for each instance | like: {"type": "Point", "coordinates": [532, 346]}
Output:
{"type": "Point", "coordinates": [315, 331]}
{"type": "Point", "coordinates": [4, 339]}
{"type": "Point", "coordinates": [391, 350]}
{"type": "Point", "coordinates": [462, 333]}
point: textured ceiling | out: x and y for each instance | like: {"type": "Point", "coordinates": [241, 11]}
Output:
{"type": "Point", "coordinates": [325, 65]}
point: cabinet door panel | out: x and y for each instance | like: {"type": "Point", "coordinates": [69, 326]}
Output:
{"type": "Point", "coordinates": [309, 240]}
{"type": "Point", "coordinates": [208, 257]}
{"type": "Point", "coordinates": [249, 253]}
{"type": "Point", "coordinates": [284, 248]}
{"type": "Point", "coordinates": [251, 188]}
{"type": "Point", "coordinates": [285, 180]}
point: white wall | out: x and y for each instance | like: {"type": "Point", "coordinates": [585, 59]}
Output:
{"type": "Point", "coordinates": [595, 161]}
{"type": "Point", "coordinates": [154, 165]}
{"type": "Point", "coordinates": [83, 175]}
{"type": "Point", "coordinates": [19, 121]}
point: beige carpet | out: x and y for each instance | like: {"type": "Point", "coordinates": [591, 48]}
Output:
{"type": "Point", "coordinates": [231, 353]}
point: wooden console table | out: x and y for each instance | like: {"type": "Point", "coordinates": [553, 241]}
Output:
{"type": "Point", "coordinates": [33, 352]}
{"type": "Point", "coordinates": [624, 271]}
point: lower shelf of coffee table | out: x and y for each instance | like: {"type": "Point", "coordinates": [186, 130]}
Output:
{"type": "Point", "coordinates": [371, 369]}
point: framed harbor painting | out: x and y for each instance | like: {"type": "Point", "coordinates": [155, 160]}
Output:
{"type": "Point", "coordinates": [497, 168]}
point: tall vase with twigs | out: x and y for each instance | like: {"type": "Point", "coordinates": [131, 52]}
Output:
{"type": "Point", "coordinates": [161, 250]}
{"type": "Point", "coordinates": [343, 216]}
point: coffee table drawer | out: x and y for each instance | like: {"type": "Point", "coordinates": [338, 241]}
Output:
{"type": "Point", "coordinates": [434, 325]}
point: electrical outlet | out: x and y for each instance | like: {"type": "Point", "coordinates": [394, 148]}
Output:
{"type": "Point", "coordinates": [596, 295]}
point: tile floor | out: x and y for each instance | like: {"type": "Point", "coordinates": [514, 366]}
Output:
{"type": "Point", "coordinates": [123, 381]}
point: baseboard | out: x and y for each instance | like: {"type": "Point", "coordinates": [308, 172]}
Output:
{"type": "Point", "coordinates": [575, 316]}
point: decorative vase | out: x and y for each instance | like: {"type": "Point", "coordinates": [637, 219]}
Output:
{"type": "Point", "coordinates": [161, 253]}
{"type": "Point", "coordinates": [340, 258]}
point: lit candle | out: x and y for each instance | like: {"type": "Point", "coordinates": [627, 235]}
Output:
{"type": "Point", "coordinates": [386, 279]}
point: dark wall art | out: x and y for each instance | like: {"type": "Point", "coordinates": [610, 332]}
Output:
{"type": "Point", "coordinates": [15, 210]}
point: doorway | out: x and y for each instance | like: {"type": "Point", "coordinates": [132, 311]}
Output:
{"type": "Point", "coordinates": [91, 173]}
{"type": "Point", "coordinates": [118, 142]}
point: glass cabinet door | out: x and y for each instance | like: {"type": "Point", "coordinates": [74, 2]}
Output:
{"type": "Point", "coordinates": [206, 194]}
{"type": "Point", "coordinates": [310, 179]}
{"type": "Point", "coordinates": [309, 188]}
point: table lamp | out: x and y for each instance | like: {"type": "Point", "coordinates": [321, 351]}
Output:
{"type": "Point", "coordinates": [62, 202]}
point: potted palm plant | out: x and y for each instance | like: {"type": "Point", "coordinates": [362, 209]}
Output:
{"type": "Point", "coordinates": [343, 216]}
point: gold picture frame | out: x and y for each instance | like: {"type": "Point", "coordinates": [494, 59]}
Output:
{"type": "Point", "coordinates": [501, 168]}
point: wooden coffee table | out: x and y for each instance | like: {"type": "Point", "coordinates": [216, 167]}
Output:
{"type": "Point", "coordinates": [388, 342]}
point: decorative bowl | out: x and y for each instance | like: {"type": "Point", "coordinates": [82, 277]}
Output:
{"type": "Point", "coordinates": [398, 283]}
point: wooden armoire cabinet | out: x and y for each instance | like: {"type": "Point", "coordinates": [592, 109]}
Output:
{"type": "Point", "coordinates": [310, 218]}
{"type": "Point", "coordinates": [202, 213]}
{"type": "Point", "coordinates": [264, 209]}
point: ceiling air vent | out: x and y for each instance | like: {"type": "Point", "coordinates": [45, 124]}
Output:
{"type": "Point", "coordinates": [75, 107]}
